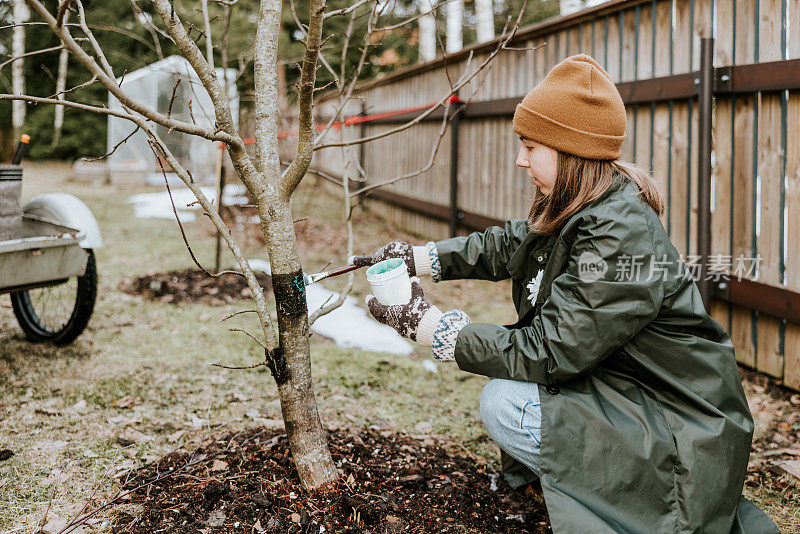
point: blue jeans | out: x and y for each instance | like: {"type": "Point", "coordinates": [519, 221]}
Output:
{"type": "Point", "coordinates": [512, 415]}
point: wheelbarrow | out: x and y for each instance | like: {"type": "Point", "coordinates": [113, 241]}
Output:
{"type": "Point", "coordinates": [47, 263]}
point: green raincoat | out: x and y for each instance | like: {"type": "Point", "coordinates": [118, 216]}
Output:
{"type": "Point", "coordinates": [645, 426]}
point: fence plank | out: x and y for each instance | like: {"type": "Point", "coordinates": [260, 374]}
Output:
{"type": "Point", "coordinates": [769, 357]}
{"type": "Point", "coordinates": [630, 32]}
{"type": "Point", "coordinates": [573, 41]}
{"type": "Point", "coordinates": [599, 44]}
{"type": "Point", "coordinates": [723, 43]}
{"type": "Point", "coordinates": [721, 216]}
{"type": "Point", "coordinates": [741, 331]}
{"type": "Point", "coordinates": [644, 50]}
{"type": "Point", "coordinates": [560, 41]}
{"type": "Point", "coordinates": [679, 178]}
{"type": "Point", "coordinates": [661, 154]}
{"type": "Point", "coordinates": [663, 38]}
{"type": "Point", "coordinates": [643, 136]}
{"type": "Point", "coordinates": [791, 371]}
{"type": "Point", "coordinates": [627, 145]}
{"type": "Point", "coordinates": [702, 28]}
{"type": "Point", "coordinates": [682, 37]}
{"type": "Point", "coordinates": [745, 31]}
{"type": "Point", "coordinates": [613, 47]}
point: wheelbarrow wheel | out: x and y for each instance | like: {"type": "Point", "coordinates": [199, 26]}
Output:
{"type": "Point", "coordinates": [59, 313]}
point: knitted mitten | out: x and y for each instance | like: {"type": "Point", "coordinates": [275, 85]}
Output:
{"type": "Point", "coordinates": [423, 322]}
{"type": "Point", "coordinates": [395, 249]}
{"type": "Point", "coordinates": [405, 318]}
{"type": "Point", "coordinates": [420, 260]}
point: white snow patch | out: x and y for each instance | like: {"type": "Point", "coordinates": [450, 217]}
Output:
{"type": "Point", "coordinates": [257, 264]}
{"type": "Point", "coordinates": [158, 205]}
{"type": "Point", "coordinates": [430, 366]}
{"type": "Point", "coordinates": [348, 325]}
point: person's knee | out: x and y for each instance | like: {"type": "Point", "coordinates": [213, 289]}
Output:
{"type": "Point", "coordinates": [495, 407]}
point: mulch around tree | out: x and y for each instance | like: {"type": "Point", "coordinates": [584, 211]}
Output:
{"type": "Point", "coordinates": [192, 285]}
{"type": "Point", "coordinates": [390, 483]}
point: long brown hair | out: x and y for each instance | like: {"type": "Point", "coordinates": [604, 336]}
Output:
{"type": "Point", "coordinates": [580, 181]}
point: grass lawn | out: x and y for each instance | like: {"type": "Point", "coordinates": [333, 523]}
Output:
{"type": "Point", "coordinates": [139, 384]}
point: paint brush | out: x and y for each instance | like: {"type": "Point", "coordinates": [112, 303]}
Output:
{"type": "Point", "coordinates": [309, 279]}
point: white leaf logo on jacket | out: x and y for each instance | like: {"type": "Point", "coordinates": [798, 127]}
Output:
{"type": "Point", "coordinates": [533, 286]}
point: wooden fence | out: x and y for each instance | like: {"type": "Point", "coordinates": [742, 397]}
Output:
{"type": "Point", "coordinates": [731, 176]}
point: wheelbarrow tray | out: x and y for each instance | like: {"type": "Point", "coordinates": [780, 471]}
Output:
{"type": "Point", "coordinates": [48, 253]}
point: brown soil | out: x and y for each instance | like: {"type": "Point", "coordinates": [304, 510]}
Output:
{"type": "Point", "coordinates": [389, 483]}
{"type": "Point", "coordinates": [192, 286]}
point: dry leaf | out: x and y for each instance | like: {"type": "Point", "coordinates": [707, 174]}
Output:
{"type": "Point", "coordinates": [131, 435]}
{"type": "Point", "coordinates": [219, 465]}
{"type": "Point", "coordinates": [295, 517]}
{"type": "Point", "coordinates": [257, 527]}
{"type": "Point", "coordinates": [175, 436]}
{"type": "Point", "coordinates": [125, 402]}
{"type": "Point", "coordinates": [216, 518]}
{"type": "Point", "coordinates": [790, 467]}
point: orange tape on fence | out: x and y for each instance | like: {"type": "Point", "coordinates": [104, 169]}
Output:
{"type": "Point", "coordinates": [358, 119]}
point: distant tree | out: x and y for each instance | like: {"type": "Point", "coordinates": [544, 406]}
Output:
{"type": "Point", "coordinates": [455, 26]}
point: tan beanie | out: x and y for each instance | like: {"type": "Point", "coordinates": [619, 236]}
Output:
{"type": "Point", "coordinates": [576, 109]}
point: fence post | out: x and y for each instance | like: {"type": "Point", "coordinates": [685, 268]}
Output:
{"type": "Point", "coordinates": [455, 213]}
{"type": "Point", "coordinates": [705, 83]}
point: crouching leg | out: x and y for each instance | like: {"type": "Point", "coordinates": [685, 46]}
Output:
{"type": "Point", "coordinates": [511, 413]}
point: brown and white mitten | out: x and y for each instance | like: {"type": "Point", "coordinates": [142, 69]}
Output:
{"type": "Point", "coordinates": [420, 260]}
{"type": "Point", "coordinates": [422, 321]}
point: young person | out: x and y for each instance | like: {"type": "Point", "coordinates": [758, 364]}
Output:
{"type": "Point", "coordinates": [615, 387]}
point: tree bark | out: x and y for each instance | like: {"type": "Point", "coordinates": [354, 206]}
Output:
{"type": "Point", "coordinates": [427, 32]}
{"type": "Point", "coordinates": [455, 26]}
{"type": "Point", "coordinates": [61, 84]}
{"type": "Point", "coordinates": [484, 12]}
{"type": "Point", "coordinates": [20, 15]}
{"type": "Point", "coordinates": [291, 360]}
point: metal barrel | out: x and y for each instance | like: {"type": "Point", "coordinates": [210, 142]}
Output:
{"type": "Point", "coordinates": [10, 196]}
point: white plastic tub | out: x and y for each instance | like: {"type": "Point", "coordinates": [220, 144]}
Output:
{"type": "Point", "coordinates": [390, 282]}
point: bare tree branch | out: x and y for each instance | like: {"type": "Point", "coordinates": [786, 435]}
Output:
{"type": "Point", "coordinates": [207, 25]}
{"type": "Point", "coordinates": [431, 160]}
{"type": "Point", "coordinates": [68, 103]}
{"type": "Point", "coordinates": [461, 82]}
{"type": "Point", "coordinates": [251, 336]}
{"type": "Point", "coordinates": [305, 140]}
{"type": "Point", "coordinates": [114, 149]}
{"type": "Point", "coordinates": [62, 10]}
{"type": "Point", "coordinates": [234, 314]}
{"type": "Point", "coordinates": [208, 76]}
{"type": "Point", "coordinates": [32, 53]}
{"type": "Point", "coordinates": [346, 10]}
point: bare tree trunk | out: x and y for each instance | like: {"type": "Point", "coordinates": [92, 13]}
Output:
{"type": "Point", "coordinates": [291, 365]}
{"type": "Point", "coordinates": [61, 84]}
{"type": "Point", "coordinates": [20, 15]}
{"type": "Point", "coordinates": [455, 26]}
{"type": "Point", "coordinates": [427, 32]}
{"type": "Point", "coordinates": [484, 12]}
